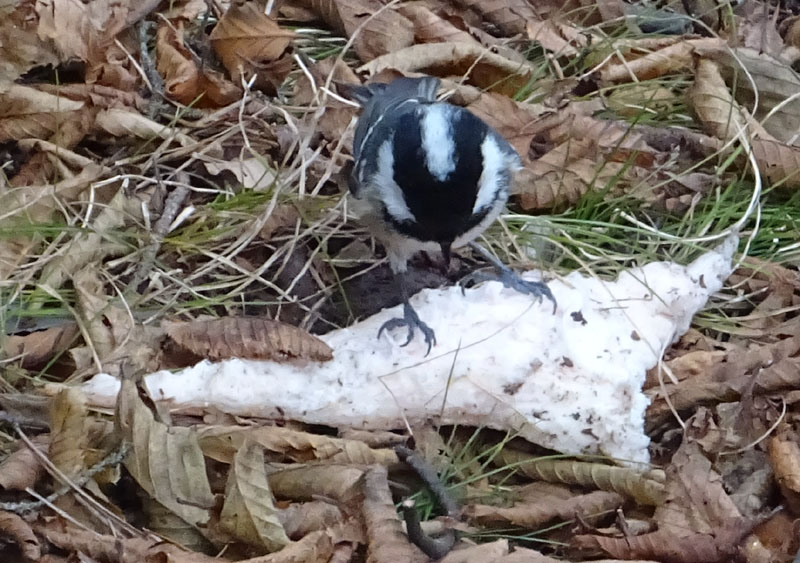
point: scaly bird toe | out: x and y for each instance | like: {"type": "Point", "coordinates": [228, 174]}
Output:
{"type": "Point", "coordinates": [411, 320]}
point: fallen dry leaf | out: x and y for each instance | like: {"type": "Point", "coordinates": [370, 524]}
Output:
{"type": "Point", "coordinates": [375, 29]}
{"type": "Point", "coordinates": [248, 337]}
{"type": "Point", "coordinates": [388, 542]}
{"type": "Point", "coordinates": [784, 455]}
{"type": "Point", "coordinates": [535, 514]}
{"type": "Point", "coordinates": [40, 346]}
{"type": "Point", "coordinates": [184, 80]}
{"type": "Point", "coordinates": [166, 461]}
{"type": "Point", "coordinates": [646, 488]}
{"type": "Point", "coordinates": [69, 439]}
{"type": "Point", "coordinates": [27, 112]}
{"type": "Point", "coordinates": [429, 27]}
{"type": "Point", "coordinates": [249, 513]}
{"type": "Point", "coordinates": [672, 58]}
{"type": "Point", "coordinates": [480, 66]}
{"type": "Point", "coordinates": [282, 444]}
{"type": "Point", "coordinates": [23, 468]}
{"type": "Point", "coordinates": [250, 43]}
{"type": "Point", "coordinates": [15, 530]}
{"type": "Point", "coordinates": [508, 15]}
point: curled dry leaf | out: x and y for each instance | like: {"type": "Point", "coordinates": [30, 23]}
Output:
{"type": "Point", "coordinates": [249, 513]}
{"type": "Point", "coordinates": [375, 29]}
{"type": "Point", "coordinates": [780, 163]}
{"type": "Point", "coordinates": [713, 103]}
{"type": "Point", "coordinates": [429, 27]}
{"type": "Point", "coordinates": [388, 542]}
{"type": "Point", "coordinates": [20, 46]}
{"type": "Point", "coordinates": [38, 347]}
{"type": "Point", "coordinates": [23, 468]}
{"type": "Point", "coordinates": [508, 15]}
{"type": "Point", "coordinates": [301, 518]}
{"type": "Point", "coordinates": [27, 112]}
{"type": "Point", "coordinates": [167, 462]}
{"type": "Point", "coordinates": [284, 444]}
{"type": "Point", "coordinates": [184, 81]}
{"type": "Point", "coordinates": [248, 337]}
{"type": "Point", "coordinates": [768, 368]}
{"type": "Point", "coordinates": [562, 39]}
{"type": "Point", "coordinates": [250, 43]}
{"type": "Point", "coordinates": [307, 482]}
{"type": "Point", "coordinates": [784, 455]}
{"type": "Point", "coordinates": [122, 123]}
{"type": "Point", "coordinates": [646, 488]}
{"type": "Point", "coordinates": [535, 514]}
{"type": "Point", "coordinates": [69, 440]}
{"type": "Point", "coordinates": [15, 530]}
{"type": "Point", "coordinates": [676, 57]}
{"type": "Point", "coordinates": [480, 66]}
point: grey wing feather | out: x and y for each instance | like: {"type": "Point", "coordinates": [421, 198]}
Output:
{"type": "Point", "coordinates": [379, 100]}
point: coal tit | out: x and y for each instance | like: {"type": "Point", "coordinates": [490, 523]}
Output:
{"type": "Point", "coordinates": [428, 175]}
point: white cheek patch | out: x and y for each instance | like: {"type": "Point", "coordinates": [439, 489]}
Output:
{"type": "Point", "coordinates": [389, 192]}
{"type": "Point", "coordinates": [491, 184]}
{"type": "Point", "coordinates": [437, 141]}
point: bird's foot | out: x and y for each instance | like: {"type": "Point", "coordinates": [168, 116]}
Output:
{"type": "Point", "coordinates": [511, 280]}
{"type": "Point", "coordinates": [411, 320]}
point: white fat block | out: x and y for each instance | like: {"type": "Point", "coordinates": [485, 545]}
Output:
{"type": "Point", "coordinates": [570, 381]}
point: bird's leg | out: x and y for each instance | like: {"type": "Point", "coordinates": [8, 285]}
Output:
{"type": "Point", "coordinates": [410, 319]}
{"type": "Point", "coordinates": [509, 277]}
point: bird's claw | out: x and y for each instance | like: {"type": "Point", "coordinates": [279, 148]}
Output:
{"type": "Point", "coordinates": [411, 320]}
{"type": "Point", "coordinates": [512, 280]}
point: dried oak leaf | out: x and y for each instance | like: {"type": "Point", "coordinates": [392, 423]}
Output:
{"type": "Point", "coordinates": [250, 43]}
{"type": "Point", "coordinates": [184, 80]}
{"type": "Point", "coordinates": [375, 29]}
{"type": "Point", "coordinates": [248, 337]}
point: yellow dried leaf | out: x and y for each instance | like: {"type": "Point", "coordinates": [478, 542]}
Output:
{"type": "Point", "coordinates": [248, 337]}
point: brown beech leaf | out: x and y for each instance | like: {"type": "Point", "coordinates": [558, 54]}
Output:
{"type": "Point", "coordinates": [386, 539]}
{"type": "Point", "coordinates": [184, 81]}
{"type": "Point", "coordinates": [784, 456]}
{"type": "Point", "coordinates": [250, 43]}
{"type": "Point", "coordinates": [69, 441]}
{"type": "Point", "coordinates": [39, 347]}
{"type": "Point", "coordinates": [509, 15]}
{"type": "Point", "coordinates": [513, 120]}
{"type": "Point", "coordinates": [672, 58]}
{"type": "Point", "coordinates": [284, 444]}
{"type": "Point", "coordinates": [20, 46]}
{"type": "Point", "coordinates": [713, 103]}
{"type": "Point", "coordinates": [26, 112]}
{"type": "Point", "coordinates": [480, 66]}
{"type": "Point", "coordinates": [374, 28]}
{"type": "Point", "coordinates": [779, 162]}
{"type": "Point", "coordinates": [429, 27]}
{"type": "Point", "coordinates": [23, 468]}
{"type": "Point", "coordinates": [166, 461]}
{"type": "Point", "coordinates": [537, 513]}
{"type": "Point", "coordinates": [562, 39]}
{"type": "Point", "coordinates": [16, 530]}
{"type": "Point", "coordinates": [248, 337]}
{"type": "Point", "coordinates": [249, 513]}
{"type": "Point", "coordinates": [646, 488]}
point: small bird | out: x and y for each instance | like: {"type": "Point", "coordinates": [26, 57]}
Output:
{"type": "Point", "coordinates": [428, 175]}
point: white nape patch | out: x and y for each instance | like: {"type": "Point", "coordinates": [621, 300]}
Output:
{"type": "Point", "coordinates": [495, 162]}
{"type": "Point", "coordinates": [437, 141]}
{"type": "Point", "coordinates": [389, 192]}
